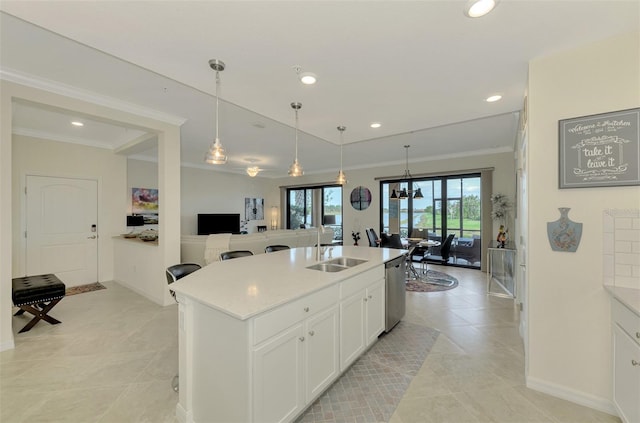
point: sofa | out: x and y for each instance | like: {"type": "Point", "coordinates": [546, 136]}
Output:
{"type": "Point", "coordinates": [468, 249]}
{"type": "Point", "coordinates": [192, 247]}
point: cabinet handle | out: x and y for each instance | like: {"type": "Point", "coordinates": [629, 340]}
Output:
{"type": "Point", "coordinates": [311, 333]}
{"type": "Point", "coordinates": [635, 363]}
{"type": "Point", "coordinates": [638, 335]}
{"type": "Point", "coordinates": [301, 339]}
{"type": "Point", "coordinates": [365, 300]}
{"type": "Point", "coordinates": [306, 309]}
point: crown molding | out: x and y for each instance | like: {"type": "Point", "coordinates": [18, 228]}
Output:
{"type": "Point", "coordinates": [88, 96]}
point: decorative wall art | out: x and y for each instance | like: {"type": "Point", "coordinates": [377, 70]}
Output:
{"type": "Point", "coordinates": [360, 198]}
{"type": "Point", "coordinates": [254, 209]}
{"type": "Point", "coordinates": [564, 234]}
{"type": "Point", "coordinates": [144, 201]}
{"type": "Point", "coordinates": [600, 150]}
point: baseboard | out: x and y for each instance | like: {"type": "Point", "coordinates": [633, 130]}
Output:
{"type": "Point", "coordinates": [577, 397]}
{"type": "Point", "coordinates": [141, 292]}
{"type": "Point", "coordinates": [182, 415]}
{"type": "Point", "coordinates": [8, 345]}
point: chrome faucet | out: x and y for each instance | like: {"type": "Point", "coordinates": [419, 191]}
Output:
{"type": "Point", "coordinates": [319, 250]}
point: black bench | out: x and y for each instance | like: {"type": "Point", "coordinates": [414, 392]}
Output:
{"type": "Point", "coordinates": [37, 295]}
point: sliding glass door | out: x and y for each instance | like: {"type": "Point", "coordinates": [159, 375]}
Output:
{"type": "Point", "coordinates": [449, 205]}
{"type": "Point", "coordinates": [313, 206]}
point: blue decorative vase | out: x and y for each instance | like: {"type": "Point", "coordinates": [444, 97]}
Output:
{"type": "Point", "coordinates": [564, 234]}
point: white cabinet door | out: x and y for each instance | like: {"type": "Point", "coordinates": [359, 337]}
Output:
{"type": "Point", "coordinates": [374, 311]}
{"type": "Point", "coordinates": [278, 377]}
{"type": "Point", "coordinates": [626, 379]}
{"type": "Point", "coordinates": [321, 352]}
{"type": "Point", "coordinates": [352, 342]}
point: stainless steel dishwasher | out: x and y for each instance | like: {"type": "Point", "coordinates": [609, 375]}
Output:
{"type": "Point", "coordinates": [395, 274]}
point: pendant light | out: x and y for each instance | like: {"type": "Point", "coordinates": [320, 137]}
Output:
{"type": "Point", "coordinates": [342, 178]}
{"type": "Point", "coordinates": [216, 153]}
{"type": "Point", "coordinates": [404, 193]}
{"type": "Point", "coordinates": [296, 170]}
{"type": "Point", "coordinates": [253, 171]}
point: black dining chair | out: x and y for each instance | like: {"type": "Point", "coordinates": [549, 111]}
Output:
{"type": "Point", "coordinates": [391, 241]}
{"type": "Point", "coordinates": [418, 251]}
{"type": "Point", "coordinates": [273, 248]}
{"type": "Point", "coordinates": [174, 273]}
{"type": "Point", "coordinates": [445, 251]}
{"type": "Point", "coordinates": [228, 255]}
{"type": "Point", "coordinates": [374, 241]}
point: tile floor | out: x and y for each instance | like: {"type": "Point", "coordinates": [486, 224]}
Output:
{"type": "Point", "coordinates": [113, 357]}
{"type": "Point", "coordinates": [370, 390]}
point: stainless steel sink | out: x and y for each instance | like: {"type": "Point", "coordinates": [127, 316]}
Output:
{"type": "Point", "coordinates": [327, 267]}
{"type": "Point", "coordinates": [337, 264]}
{"type": "Point", "coordinates": [346, 261]}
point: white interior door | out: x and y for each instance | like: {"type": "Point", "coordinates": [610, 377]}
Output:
{"type": "Point", "coordinates": [61, 228]}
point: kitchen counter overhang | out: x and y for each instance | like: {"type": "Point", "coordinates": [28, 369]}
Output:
{"type": "Point", "coordinates": [246, 287]}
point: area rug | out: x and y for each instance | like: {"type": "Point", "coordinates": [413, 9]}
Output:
{"type": "Point", "coordinates": [432, 275]}
{"type": "Point", "coordinates": [80, 289]}
{"type": "Point", "coordinates": [373, 386]}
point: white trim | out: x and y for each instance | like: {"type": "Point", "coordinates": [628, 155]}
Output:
{"type": "Point", "coordinates": [597, 403]}
{"type": "Point", "coordinates": [182, 415]}
{"type": "Point", "coordinates": [137, 290]}
{"type": "Point", "coordinates": [88, 96]}
{"type": "Point", "coordinates": [9, 345]}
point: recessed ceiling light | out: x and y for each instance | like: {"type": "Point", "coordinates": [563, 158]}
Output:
{"type": "Point", "coordinates": [308, 78]}
{"type": "Point", "coordinates": [478, 8]}
{"type": "Point", "coordinates": [77, 123]}
{"type": "Point", "coordinates": [376, 125]}
{"type": "Point", "coordinates": [493, 98]}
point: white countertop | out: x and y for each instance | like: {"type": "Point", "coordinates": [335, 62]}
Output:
{"type": "Point", "coordinates": [627, 296]}
{"type": "Point", "coordinates": [247, 286]}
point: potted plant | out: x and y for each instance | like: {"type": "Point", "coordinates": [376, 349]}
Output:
{"type": "Point", "coordinates": [500, 211]}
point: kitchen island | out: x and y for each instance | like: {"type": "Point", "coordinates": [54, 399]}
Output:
{"type": "Point", "coordinates": [261, 337]}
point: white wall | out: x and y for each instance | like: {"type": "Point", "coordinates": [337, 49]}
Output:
{"type": "Point", "coordinates": [51, 158]}
{"type": "Point", "coordinates": [212, 191]}
{"type": "Point", "coordinates": [569, 313]}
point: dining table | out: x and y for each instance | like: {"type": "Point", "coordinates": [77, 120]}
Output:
{"type": "Point", "coordinates": [412, 243]}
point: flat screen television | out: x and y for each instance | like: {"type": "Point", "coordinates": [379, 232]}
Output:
{"type": "Point", "coordinates": [219, 223]}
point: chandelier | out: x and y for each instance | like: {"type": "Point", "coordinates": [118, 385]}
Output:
{"type": "Point", "coordinates": [405, 193]}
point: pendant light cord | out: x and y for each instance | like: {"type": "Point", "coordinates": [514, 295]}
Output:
{"type": "Point", "coordinates": [217, 102]}
{"type": "Point", "coordinates": [406, 169]}
{"type": "Point", "coordinates": [296, 135]}
{"type": "Point", "coordinates": [341, 142]}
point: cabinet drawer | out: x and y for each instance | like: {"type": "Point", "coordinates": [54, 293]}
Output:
{"type": "Point", "coordinates": [627, 320]}
{"type": "Point", "coordinates": [359, 282]}
{"type": "Point", "coordinates": [282, 317]}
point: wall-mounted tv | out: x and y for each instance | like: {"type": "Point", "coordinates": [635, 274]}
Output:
{"type": "Point", "coordinates": [219, 223]}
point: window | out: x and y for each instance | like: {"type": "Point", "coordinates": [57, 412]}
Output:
{"type": "Point", "coordinates": [313, 206]}
{"type": "Point", "coordinates": [450, 204]}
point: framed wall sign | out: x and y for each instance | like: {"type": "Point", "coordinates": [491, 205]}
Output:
{"type": "Point", "coordinates": [600, 150]}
